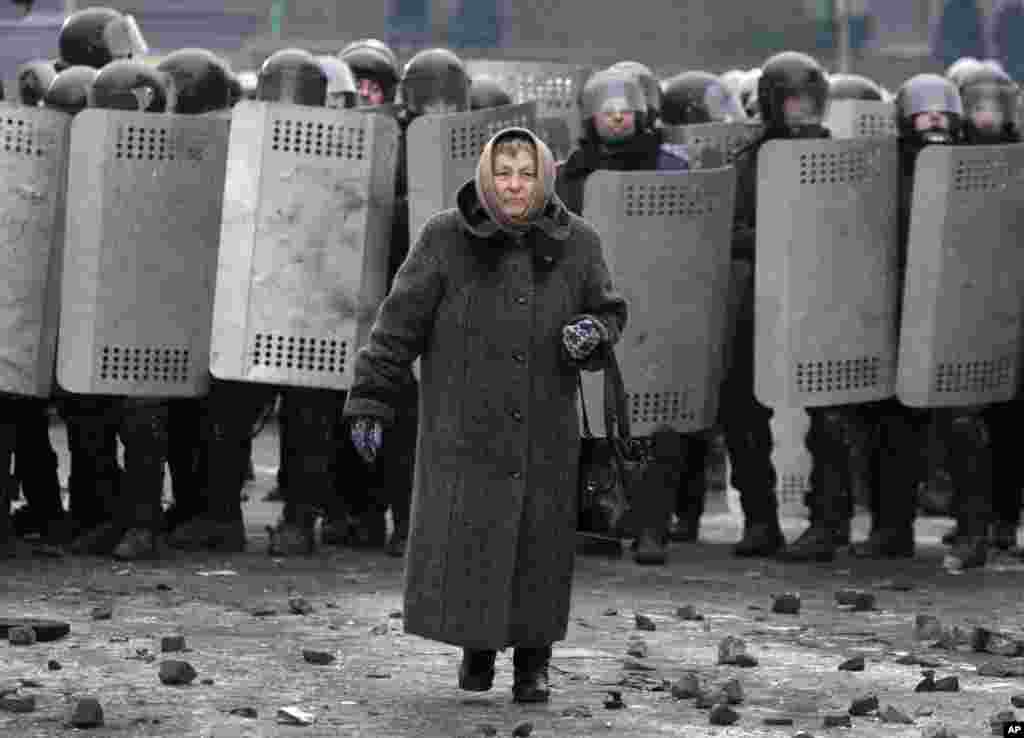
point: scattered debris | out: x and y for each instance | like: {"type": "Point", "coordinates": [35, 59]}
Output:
{"type": "Point", "coordinates": [523, 729]}
{"type": "Point", "coordinates": [927, 628]}
{"type": "Point", "coordinates": [86, 713]}
{"type": "Point", "coordinates": [837, 721]}
{"type": "Point", "coordinates": [787, 603]}
{"type": "Point", "coordinates": [643, 622]}
{"type": "Point", "coordinates": [295, 716]}
{"type": "Point", "coordinates": [102, 612]}
{"type": "Point", "coordinates": [23, 635]}
{"type": "Point", "coordinates": [864, 705]}
{"type": "Point", "coordinates": [18, 703]}
{"type": "Point", "coordinates": [723, 715]}
{"type": "Point", "coordinates": [638, 649]}
{"type": "Point", "coordinates": [578, 711]}
{"type": "Point", "coordinates": [778, 721]}
{"type": "Point", "coordinates": [246, 712]}
{"type": "Point", "coordinates": [320, 658]}
{"type": "Point", "coordinates": [856, 599]}
{"type": "Point", "coordinates": [733, 651]}
{"type": "Point", "coordinates": [686, 688]}
{"type": "Point", "coordinates": [53, 665]}
{"type": "Point", "coordinates": [614, 701]}
{"type": "Point", "coordinates": [176, 673]}
{"type": "Point", "coordinates": [611, 611]}
{"type": "Point", "coordinates": [299, 606]}
{"type": "Point", "coordinates": [733, 692]}
{"type": "Point", "coordinates": [172, 644]}
{"type": "Point", "coordinates": [688, 612]}
{"type": "Point", "coordinates": [853, 664]}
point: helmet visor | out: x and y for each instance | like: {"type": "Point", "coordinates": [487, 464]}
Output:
{"type": "Point", "coordinates": [723, 105]}
{"type": "Point", "coordinates": [993, 103]}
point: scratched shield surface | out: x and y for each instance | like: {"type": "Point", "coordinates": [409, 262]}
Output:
{"type": "Point", "coordinates": [961, 322]}
{"type": "Point", "coordinates": [33, 150]}
{"type": "Point", "coordinates": [666, 238]}
{"type": "Point", "coordinates": [309, 198]}
{"type": "Point", "coordinates": [825, 284]}
{"type": "Point", "coordinates": [140, 252]}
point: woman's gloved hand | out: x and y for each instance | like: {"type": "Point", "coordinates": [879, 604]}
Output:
{"type": "Point", "coordinates": [582, 336]}
{"type": "Point", "coordinates": [368, 438]}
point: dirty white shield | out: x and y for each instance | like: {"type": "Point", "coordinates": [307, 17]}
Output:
{"type": "Point", "coordinates": [33, 163]}
{"type": "Point", "coordinates": [861, 119]}
{"type": "Point", "coordinates": [825, 284]}
{"type": "Point", "coordinates": [553, 86]}
{"type": "Point", "coordinates": [140, 253]}
{"type": "Point", "coordinates": [712, 145]}
{"type": "Point", "coordinates": [666, 238]}
{"type": "Point", "coordinates": [442, 152]}
{"type": "Point", "coordinates": [308, 205]}
{"type": "Point", "coordinates": [961, 321]}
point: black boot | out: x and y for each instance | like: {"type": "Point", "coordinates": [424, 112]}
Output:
{"type": "Point", "coordinates": [530, 683]}
{"type": "Point", "coordinates": [817, 543]}
{"type": "Point", "coordinates": [650, 548]}
{"type": "Point", "coordinates": [476, 672]}
{"type": "Point", "coordinates": [760, 540]}
{"type": "Point", "coordinates": [886, 544]}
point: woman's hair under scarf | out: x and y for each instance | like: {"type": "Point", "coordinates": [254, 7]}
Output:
{"type": "Point", "coordinates": [487, 193]}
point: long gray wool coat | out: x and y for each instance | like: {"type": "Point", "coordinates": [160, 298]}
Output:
{"type": "Point", "coordinates": [491, 542]}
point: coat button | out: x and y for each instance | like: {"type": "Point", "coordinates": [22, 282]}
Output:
{"type": "Point", "coordinates": [520, 357]}
{"type": "Point", "coordinates": [516, 475]}
{"type": "Point", "coordinates": [521, 300]}
{"type": "Point", "coordinates": [517, 415]}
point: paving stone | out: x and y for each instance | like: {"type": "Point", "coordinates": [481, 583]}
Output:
{"type": "Point", "coordinates": [320, 658]}
{"type": "Point", "coordinates": [172, 644]}
{"type": "Point", "coordinates": [864, 705]}
{"type": "Point", "coordinates": [786, 604]}
{"type": "Point", "coordinates": [176, 673]}
{"type": "Point", "coordinates": [86, 713]}
{"type": "Point", "coordinates": [687, 687]}
{"type": "Point", "coordinates": [643, 622]}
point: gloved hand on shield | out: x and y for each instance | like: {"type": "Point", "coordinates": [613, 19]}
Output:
{"type": "Point", "coordinates": [582, 336]}
{"type": "Point", "coordinates": [368, 438]}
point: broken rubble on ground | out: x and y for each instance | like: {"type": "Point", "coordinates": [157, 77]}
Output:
{"type": "Point", "coordinates": [177, 673]}
{"type": "Point", "coordinates": [18, 703]}
{"type": "Point", "coordinates": [927, 628]}
{"type": "Point", "coordinates": [723, 715]}
{"type": "Point", "coordinates": [853, 664]}
{"type": "Point", "coordinates": [864, 705]}
{"type": "Point", "coordinates": [892, 714]}
{"type": "Point", "coordinates": [522, 730]}
{"type": "Point", "coordinates": [787, 603]}
{"type": "Point", "coordinates": [86, 713]}
{"type": "Point", "coordinates": [22, 635]}
{"type": "Point", "coordinates": [687, 687]}
{"type": "Point", "coordinates": [643, 622]}
{"type": "Point", "coordinates": [856, 599]}
{"type": "Point", "coordinates": [733, 651]}
{"type": "Point", "coordinates": [172, 644]}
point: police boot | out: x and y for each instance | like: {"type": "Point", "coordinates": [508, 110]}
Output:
{"type": "Point", "coordinates": [530, 682]}
{"type": "Point", "coordinates": [399, 538]}
{"type": "Point", "coordinates": [886, 543]}
{"type": "Point", "coordinates": [970, 552]}
{"type": "Point", "coordinates": [370, 530]}
{"type": "Point", "coordinates": [476, 672]}
{"type": "Point", "coordinates": [1004, 535]}
{"type": "Point", "coordinates": [954, 534]}
{"type": "Point", "coordinates": [817, 543]}
{"type": "Point", "coordinates": [760, 540]}
{"type": "Point", "coordinates": [650, 548]}
{"type": "Point", "coordinates": [335, 530]}
{"type": "Point", "coordinates": [136, 544]}
{"type": "Point", "coordinates": [206, 533]}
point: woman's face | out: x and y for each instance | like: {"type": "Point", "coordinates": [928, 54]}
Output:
{"type": "Point", "coordinates": [515, 182]}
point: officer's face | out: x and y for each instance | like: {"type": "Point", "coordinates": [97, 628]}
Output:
{"type": "Point", "coordinates": [615, 124]}
{"type": "Point", "coordinates": [930, 121]}
{"type": "Point", "coordinates": [800, 110]}
{"type": "Point", "coordinates": [515, 182]}
{"type": "Point", "coordinates": [370, 92]}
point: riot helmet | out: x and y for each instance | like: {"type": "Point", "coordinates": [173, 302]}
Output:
{"type": "Point", "coordinates": [235, 91]}
{"type": "Point", "coordinates": [990, 100]}
{"type": "Point", "coordinates": [929, 110]}
{"type": "Point", "coordinates": [69, 91]}
{"type": "Point", "coordinates": [613, 107]}
{"type": "Point", "coordinates": [792, 94]}
{"type": "Point", "coordinates": [961, 65]}
{"type": "Point", "coordinates": [292, 76]}
{"type": "Point", "coordinates": [487, 92]}
{"type": "Point", "coordinates": [198, 81]}
{"type": "Point", "coordinates": [649, 85]}
{"type": "Point", "coordinates": [698, 97]}
{"type": "Point", "coordinates": [94, 37]}
{"type": "Point", "coordinates": [853, 87]}
{"type": "Point", "coordinates": [732, 80]}
{"type": "Point", "coordinates": [129, 85]}
{"type": "Point", "coordinates": [435, 81]}
{"type": "Point", "coordinates": [375, 67]}
{"type": "Point", "coordinates": [341, 83]}
{"type": "Point", "coordinates": [33, 80]}
{"type": "Point", "coordinates": [748, 93]}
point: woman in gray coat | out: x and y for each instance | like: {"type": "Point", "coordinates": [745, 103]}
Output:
{"type": "Point", "coordinates": [504, 298]}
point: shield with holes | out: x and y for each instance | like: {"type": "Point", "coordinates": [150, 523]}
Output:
{"type": "Point", "coordinates": [554, 87]}
{"type": "Point", "coordinates": [712, 145]}
{"type": "Point", "coordinates": [961, 320]}
{"type": "Point", "coordinates": [666, 238]}
{"type": "Point", "coordinates": [33, 159]}
{"type": "Point", "coordinates": [825, 284]}
{"type": "Point", "coordinates": [140, 253]}
{"type": "Point", "coordinates": [442, 153]}
{"type": "Point", "coordinates": [308, 205]}
{"type": "Point", "coordinates": [861, 119]}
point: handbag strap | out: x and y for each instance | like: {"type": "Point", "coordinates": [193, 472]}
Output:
{"type": "Point", "coordinates": [587, 433]}
{"type": "Point", "coordinates": [616, 410]}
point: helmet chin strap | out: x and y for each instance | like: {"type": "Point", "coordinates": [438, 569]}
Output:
{"type": "Point", "coordinates": [939, 136]}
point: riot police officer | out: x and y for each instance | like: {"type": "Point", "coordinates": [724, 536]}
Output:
{"type": "Point", "coordinates": [698, 97]}
{"type": "Point", "coordinates": [32, 81]}
{"type": "Point", "coordinates": [487, 92]}
{"type": "Point", "coordinates": [792, 97]}
{"type": "Point", "coordinates": [69, 91]}
{"type": "Point", "coordinates": [130, 527]}
{"type": "Point", "coordinates": [376, 69]}
{"type": "Point", "coordinates": [929, 112]}
{"type": "Point", "coordinates": [982, 463]}
{"type": "Point", "coordinates": [650, 86]}
{"type": "Point", "coordinates": [619, 135]}
{"type": "Point", "coordinates": [94, 37]}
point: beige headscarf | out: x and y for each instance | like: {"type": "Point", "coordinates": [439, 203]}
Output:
{"type": "Point", "coordinates": [488, 196]}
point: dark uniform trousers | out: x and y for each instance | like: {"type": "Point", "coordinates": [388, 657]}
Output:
{"type": "Point", "coordinates": [1004, 422]}
{"type": "Point", "coordinates": [309, 452]}
{"type": "Point", "coordinates": [184, 454]}
{"type": "Point", "coordinates": [96, 422]}
{"type": "Point", "coordinates": [35, 461]}
{"type": "Point", "coordinates": [229, 415]}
